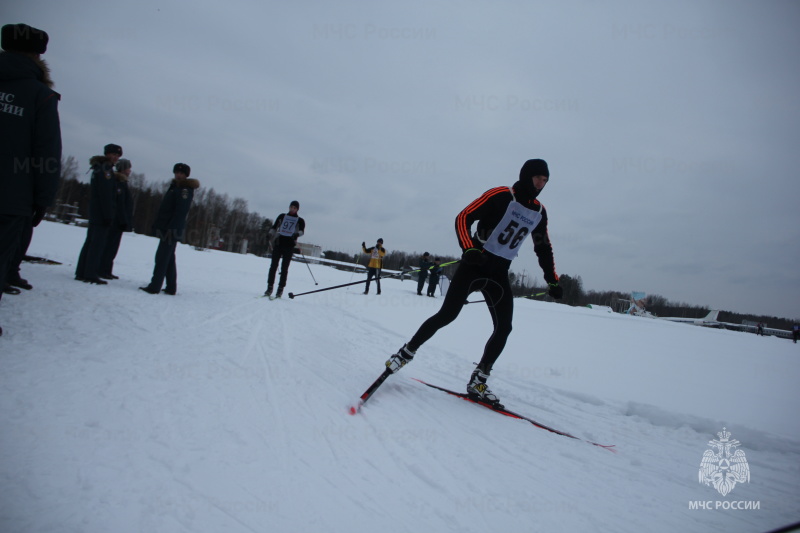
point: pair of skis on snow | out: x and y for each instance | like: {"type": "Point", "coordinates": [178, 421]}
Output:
{"type": "Point", "coordinates": [502, 410]}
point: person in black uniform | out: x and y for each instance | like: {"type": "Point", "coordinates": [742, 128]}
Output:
{"type": "Point", "coordinates": [102, 210]}
{"type": "Point", "coordinates": [170, 228]}
{"type": "Point", "coordinates": [288, 227]}
{"type": "Point", "coordinates": [123, 220]}
{"type": "Point", "coordinates": [436, 271]}
{"type": "Point", "coordinates": [424, 266]}
{"type": "Point", "coordinates": [505, 217]}
{"type": "Point", "coordinates": [30, 136]}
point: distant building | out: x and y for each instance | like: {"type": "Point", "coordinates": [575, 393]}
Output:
{"type": "Point", "coordinates": [310, 251]}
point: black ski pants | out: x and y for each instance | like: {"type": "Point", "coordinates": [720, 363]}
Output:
{"type": "Point", "coordinates": [491, 279]}
{"type": "Point", "coordinates": [284, 255]}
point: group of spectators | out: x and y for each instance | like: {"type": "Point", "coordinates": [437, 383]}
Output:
{"type": "Point", "coordinates": [111, 214]}
{"type": "Point", "coordinates": [30, 169]}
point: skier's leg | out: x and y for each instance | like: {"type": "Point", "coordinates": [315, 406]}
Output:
{"type": "Point", "coordinates": [500, 303]}
{"type": "Point", "coordinates": [467, 279]}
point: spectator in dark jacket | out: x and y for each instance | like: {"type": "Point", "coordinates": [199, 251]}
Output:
{"type": "Point", "coordinates": [30, 138]}
{"type": "Point", "coordinates": [123, 220]}
{"type": "Point", "coordinates": [102, 211]}
{"type": "Point", "coordinates": [424, 266]}
{"type": "Point", "coordinates": [170, 228]}
{"type": "Point", "coordinates": [436, 271]}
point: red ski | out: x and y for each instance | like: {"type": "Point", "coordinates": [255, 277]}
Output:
{"type": "Point", "coordinates": [506, 412]}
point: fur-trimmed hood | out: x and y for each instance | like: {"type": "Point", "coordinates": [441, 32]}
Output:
{"type": "Point", "coordinates": [188, 182]}
{"type": "Point", "coordinates": [42, 64]}
{"type": "Point", "coordinates": [99, 160]}
{"type": "Point", "coordinates": [19, 66]}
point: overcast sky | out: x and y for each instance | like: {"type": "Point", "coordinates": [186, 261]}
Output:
{"type": "Point", "coordinates": [671, 129]}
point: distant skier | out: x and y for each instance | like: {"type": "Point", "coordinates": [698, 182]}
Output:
{"type": "Point", "coordinates": [375, 265]}
{"type": "Point", "coordinates": [795, 332]}
{"type": "Point", "coordinates": [505, 216]}
{"type": "Point", "coordinates": [288, 227]}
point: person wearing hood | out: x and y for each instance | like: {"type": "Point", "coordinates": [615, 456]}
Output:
{"type": "Point", "coordinates": [170, 228]}
{"type": "Point", "coordinates": [30, 136]}
{"type": "Point", "coordinates": [123, 220]}
{"type": "Point", "coordinates": [102, 213]}
{"type": "Point", "coordinates": [505, 217]}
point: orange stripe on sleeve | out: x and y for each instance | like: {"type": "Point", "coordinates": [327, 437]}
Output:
{"type": "Point", "coordinates": [462, 228]}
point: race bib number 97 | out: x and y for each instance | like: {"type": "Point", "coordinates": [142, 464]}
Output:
{"type": "Point", "coordinates": [288, 226]}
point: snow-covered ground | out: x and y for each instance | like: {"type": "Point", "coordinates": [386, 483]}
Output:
{"type": "Point", "coordinates": [217, 410]}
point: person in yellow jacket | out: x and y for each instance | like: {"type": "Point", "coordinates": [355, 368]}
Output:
{"type": "Point", "coordinates": [375, 265]}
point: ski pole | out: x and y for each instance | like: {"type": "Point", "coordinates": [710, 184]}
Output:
{"type": "Point", "coordinates": [393, 276]}
{"type": "Point", "coordinates": [293, 295]}
{"type": "Point", "coordinates": [309, 268]}
{"type": "Point", "coordinates": [355, 266]}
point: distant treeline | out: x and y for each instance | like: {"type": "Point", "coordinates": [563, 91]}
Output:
{"type": "Point", "coordinates": [216, 221]}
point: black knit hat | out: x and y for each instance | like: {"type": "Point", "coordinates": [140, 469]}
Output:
{"type": "Point", "coordinates": [534, 167]}
{"type": "Point", "coordinates": [23, 38]}
{"type": "Point", "coordinates": [295, 203]}
{"type": "Point", "coordinates": [112, 149]}
{"type": "Point", "coordinates": [181, 167]}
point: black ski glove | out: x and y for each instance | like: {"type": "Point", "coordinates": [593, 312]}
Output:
{"type": "Point", "coordinates": [555, 290]}
{"type": "Point", "coordinates": [473, 256]}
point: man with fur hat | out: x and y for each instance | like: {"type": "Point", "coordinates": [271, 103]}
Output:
{"type": "Point", "coordinates": [288, 227]}
{"type": "Point", "coordinates": [123, 220]}
{"type": "Point", "coordinates": [170, 228]}
{"type": "Point", "coordinates": [505, 217]}
{"type": "Point", "coordinates": [102, 213]}
{"type": "Point", "coordinates": [30, 136]}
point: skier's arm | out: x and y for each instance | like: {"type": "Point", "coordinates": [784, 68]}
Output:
{"type": "Point", "coordinates": [301, 228]}
{"type": "Point", "coordinates": [474, 211]}
{"type": "Point", "coordinates": [544, 250]}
